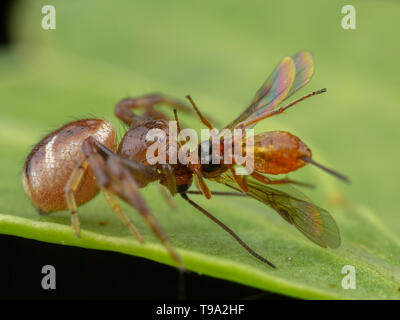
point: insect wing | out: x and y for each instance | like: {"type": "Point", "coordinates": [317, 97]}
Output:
{"type": "Point", "coordinates": [271, 93]}
{"type": "Point", "coordinates": [314, 222]}
{"type": "Point", "coordinates": [304, 63]}
{"type": "Point", "coordinates": [289, 76]}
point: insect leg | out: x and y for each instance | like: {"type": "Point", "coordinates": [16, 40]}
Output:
{"type": "Point", "coordinates": [240, 180]}
{"type": "Point", "coordinates": [199, 181]}
{"type": "Point", "coordinates": [227, 229]}
{"type": "Point", "coordinates": [219, 193]}
{"type": "Point", "coordinates": [266, 180]}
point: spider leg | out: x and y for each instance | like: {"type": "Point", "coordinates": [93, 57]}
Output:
{"type": "Point", "coordinates": [128, 190]}
{"type": "Point", "coordinates": [96, 163]}
{"type": "Point", "coordinates": [123, 109]}
{"type": "Point", "coordinates": [116, 175]}
{"type": "Point", "coordinates": [70, 187]}
{"type": "Point", "coordinates": [167, 196]}
{"type": "Point", "coordinates": [116, 207]}
{"type": "Point", "coordinates": [170, 180]}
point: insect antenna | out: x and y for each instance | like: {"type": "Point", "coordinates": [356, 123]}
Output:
{"type": "Point", "coordinates": [283, 109]}
{"type": "Point", "coordinates": [178, 126]}
{"type": "Point", "coordinates": [177, 121]}
{"type": "Point", "coordinates": [309, 95]}
{"type": "Point", "coordinates": [227, 229]}
{"type": "Point", "coordinates": [202, 118]}
{"type": "Point", "coordinates": [330, 171]}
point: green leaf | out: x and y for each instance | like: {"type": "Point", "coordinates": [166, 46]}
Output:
{"type": "Point", "coordinates": [220, 53]}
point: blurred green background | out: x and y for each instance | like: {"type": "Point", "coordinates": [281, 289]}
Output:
{"type": "Point", "coordinates": [220, 52]}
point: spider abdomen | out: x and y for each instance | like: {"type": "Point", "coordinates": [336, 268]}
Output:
{"type": "Point", "coordinates": [51, 162]}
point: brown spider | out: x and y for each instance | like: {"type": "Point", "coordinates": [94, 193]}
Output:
{"type": "Point", "coordinates": [70, 165]}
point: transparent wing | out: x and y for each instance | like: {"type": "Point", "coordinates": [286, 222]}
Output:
{"type": "Point", "coordinates": [271, 93]}
{"type": "Point", "coordinates": [314, 222]}
{"type": "Point", "coordinates": [304, 63]}
{"type": "Point", "coordinates": [288, 77]}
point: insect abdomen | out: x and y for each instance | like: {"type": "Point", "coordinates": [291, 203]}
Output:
{"type": "Point", "coordinates": [279, 152]}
